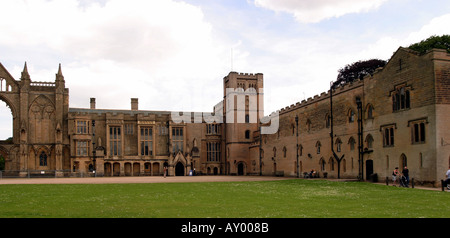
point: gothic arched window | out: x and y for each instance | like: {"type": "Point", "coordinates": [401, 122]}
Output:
{"type": "Point", "coordinates": [401, 98]}
{"type": "Point", "coordinates": [43, 159]}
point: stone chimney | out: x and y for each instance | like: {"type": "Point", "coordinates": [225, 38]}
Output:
{"type": "Point", "coordinates": [134, 104]}
{"type": "Point", "coordinates": [92, 103]}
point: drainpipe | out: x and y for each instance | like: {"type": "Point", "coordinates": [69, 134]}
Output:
{"type": "Point", "coordinates": [331, 132]}
{"type": "Point", "coordinates": [360, 139]}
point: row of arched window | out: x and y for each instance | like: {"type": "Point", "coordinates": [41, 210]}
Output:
{"type": "Point", "coordinates": [401, 100]}
{"type": "Point", "coordinates": [351, 117]}
{"type": "Point", "coordinates": [368, 143]}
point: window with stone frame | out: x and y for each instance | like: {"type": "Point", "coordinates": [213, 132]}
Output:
{"type": "Point", "coordinates": [177, 139]}
{"type": "Point", "coordinates": [401, 98]}
{"type": "Point", "coordinates": [388, 135]}
{"type": "Point", "coordinates": [82, 148]}
{"type": "Point", "coordinates": [43, 159]}
{"type": "Point", "coordinates": [369, 111]}
{"type": "Point", "coordinates": [352, 143]}
{"type": "Point", "coordinates": [351, 115]}
{"type": "Point", "coordinates": [82, 126]}
{"type": "Point", "coordinates": [213, 129]}
{"type": "Point", "coordinates": [213, 151]}
{"type": "Point", "coordinates": [369, 141]}
{"type": "Point", "coordinates": [338, 145]}
{"type": "Point", "coordinates": [418, 135]}
{"type": "Point", "coordinates": [115, 141]}
{"type": "Point", "coordinates": [146, 140]}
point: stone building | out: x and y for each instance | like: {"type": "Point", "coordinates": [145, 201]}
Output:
{"type": "Point", "coordinates": [39, 111]}
{"type": "Point", "coordinates": [393, 118]}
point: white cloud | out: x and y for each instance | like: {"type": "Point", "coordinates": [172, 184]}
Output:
{"type": "Point", "coordinates": [384, 47]}
{"type": "Point", "coordinates": [120, 49]}
{"type": "Point", "coordinates": [307, 11]}
{"type": "Point", "coordinates": [298, 68]}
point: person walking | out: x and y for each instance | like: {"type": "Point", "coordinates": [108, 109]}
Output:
{"type": "Point", "coordinates": [395, 174]}
{"type": "Point", "coordinates": [405, 173]}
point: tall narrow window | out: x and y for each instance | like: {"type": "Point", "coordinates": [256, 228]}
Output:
{"type": "Point", "coordinates": [146, 141]}
{"type": "Point", "coordinates": [369, 112]}
{"type": "Point", "coordinates": [418, 131]}
{"type": "Point", "coordinates": [331, 162]}
{"type": "Point", "coordinates": [43, 159]}
{"type": "Point", "coordinates": [388, 136]}
{"type": "Point", "coordinates": [177, 139]}
{"type": "Point", "coordinates": [322, 164]}
{"type": "Point", "coordinates": [115, 141]}
{"type": "Point", "coordinates": [352, 143]}
{"type": "Point", "coordinates": [318, 145]}
{"type": "Point", "coordinates": [338, 145]}
{"type": "Point", "coordinates": [369, 141]}
{"type": "Point", "coordinates": [351, 116]}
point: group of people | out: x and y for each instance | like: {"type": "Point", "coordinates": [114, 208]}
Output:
{"type": "Point", "coordinates": [311, 174]}
{"type": "Point", "coordinates": [403, 177]}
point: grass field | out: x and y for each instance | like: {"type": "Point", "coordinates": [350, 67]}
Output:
{"type": "Point", "coordinates": [268, 199]}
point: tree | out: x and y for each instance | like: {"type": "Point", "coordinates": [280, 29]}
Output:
{"type": "Point", "coordinates": [433, 42]}
{"type": "Point", "coordinates": [357, 70]}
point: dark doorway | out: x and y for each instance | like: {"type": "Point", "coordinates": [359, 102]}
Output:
{"type": "Point", "coordinates": [179, 169]}
{"type": "Point", "coordinates": [369, 169]}
{"type": "Point", "coordinates": [241, 169]}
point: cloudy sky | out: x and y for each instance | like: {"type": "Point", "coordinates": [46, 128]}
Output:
{"type": "Point", "coordinates": [173, 54]}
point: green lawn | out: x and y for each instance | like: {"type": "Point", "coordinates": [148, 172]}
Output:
{"type": "Point", "coordinates": [270, 199]}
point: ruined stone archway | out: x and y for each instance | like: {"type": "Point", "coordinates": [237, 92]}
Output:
{"type": "Point", "coordinates": [39, 111]}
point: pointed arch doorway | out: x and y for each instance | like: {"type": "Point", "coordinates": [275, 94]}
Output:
{"type": "Point", "coordinates": [179, 169]}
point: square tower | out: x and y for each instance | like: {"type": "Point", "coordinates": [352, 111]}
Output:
{"type": "Point", "coordinates": [243, 106]}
